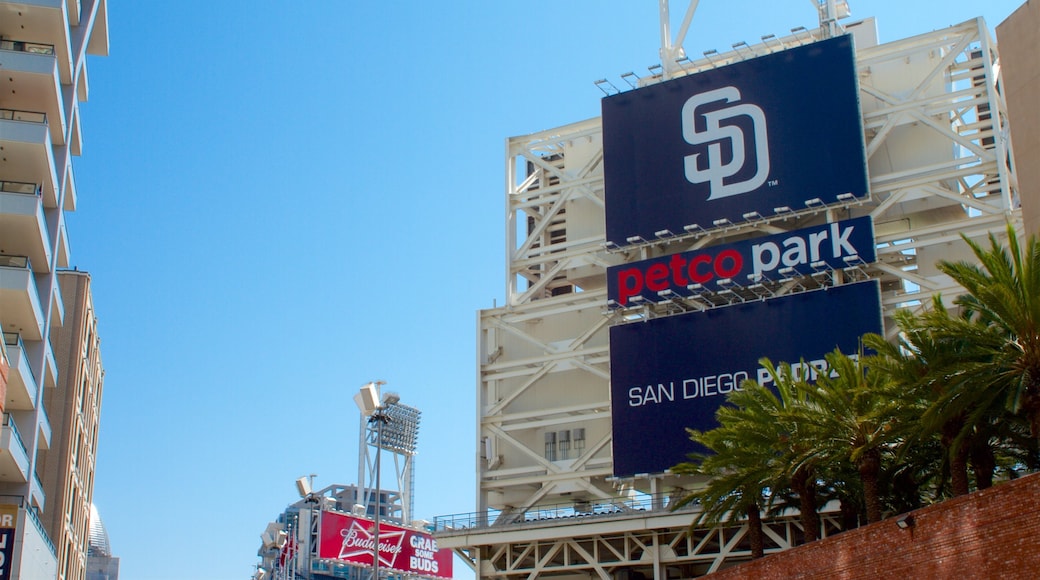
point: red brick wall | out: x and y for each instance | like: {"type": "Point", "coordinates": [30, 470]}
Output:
{"type": "Point", "coordinates": [988, 534]}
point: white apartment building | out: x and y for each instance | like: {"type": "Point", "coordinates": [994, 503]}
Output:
{"type": "Point", "coordinates": [43, 79]}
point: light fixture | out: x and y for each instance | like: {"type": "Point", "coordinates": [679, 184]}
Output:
{"type": "Point", "coordinates": [721, 222]}
{"type": "Point", "coordinates": [602, 83]}
{"type": "Point", "coordinates": [752, 215]}
{"type": "Point", "coordinates": [303, 486]}
{"type": "Point", "coordinates": [813, 202]}
{"type": "Point", "coordinates": [630, 75]}
{"type": "Point", "coordinates": [664, 234]}
{"type": "Point", "coordinates": [905, 522]}
{"type": "Point", "coordinates": [667, 295]}
{"type": "Point", "coordinates": [846, 197]}
{"type": "Point", "coordinates": [782, 209]}
{"type": "Point", "coordinates": [635, 240]}
{"type": "Point", "coordinates": [367, 398]}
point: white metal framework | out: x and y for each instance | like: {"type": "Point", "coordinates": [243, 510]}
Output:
{"type": "Point", "coordinates": [937, 148]}
{"type": "Point", "coordinates": [399, 436]}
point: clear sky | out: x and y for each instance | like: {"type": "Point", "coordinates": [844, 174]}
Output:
{"type": "Point", "coordinates": [282, 200]}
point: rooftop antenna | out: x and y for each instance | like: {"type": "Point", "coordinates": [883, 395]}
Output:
{"type": "Point", "coordinates": [830, 12]}
{"type": "Point", "coordinates": [671, 50]}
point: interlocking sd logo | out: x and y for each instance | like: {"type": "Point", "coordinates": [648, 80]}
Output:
{"type": "Point", "coordinates": [715, 134]}
{"type": "Point", "coordinates": [778, 133]}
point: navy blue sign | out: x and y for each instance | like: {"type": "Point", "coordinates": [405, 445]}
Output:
{"type": "Point", "coordinates": [770, 132]}
{"type": "Point", "coordinates": [671, 373]}
{"type": "Point", "coordinates": [802, 252]}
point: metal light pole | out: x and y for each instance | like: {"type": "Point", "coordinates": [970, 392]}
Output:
{"type": "Point", "coordinates": [370, 404]}
{"type": "Point", "coordinates": [379, 417]}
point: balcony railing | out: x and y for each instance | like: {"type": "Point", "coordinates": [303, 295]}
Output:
{"type": "Point", "coordinates": [20, 187]}
{"type": "Point", "coordinates": [31, 514]}
{"type": "Point", "coordinates": [22, 262]}
{"type": "Point", "coordinates": [27, 116]}
{"type": "Point", "coordinates": [40, 493]}
{"type": "Point", "coordinates": [14, 340]}
{"type": "Point", "coordinates": [560, 513]}
{"type": "Point", "coordinates": [9, 422]}
{"type": "Point", "coordinates": [33, 47]}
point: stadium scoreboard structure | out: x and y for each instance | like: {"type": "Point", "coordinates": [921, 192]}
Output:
{"type": "Point", "coordinates": [651, 251]}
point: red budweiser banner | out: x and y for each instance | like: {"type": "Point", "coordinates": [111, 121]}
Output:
{"type": "Point", "coordinates": [350, 539]}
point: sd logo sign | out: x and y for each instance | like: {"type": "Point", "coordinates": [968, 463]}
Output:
{"type": "Point", "coordinates": [693, 152]}
{"type": "Point", "coordinates": [715, 134]}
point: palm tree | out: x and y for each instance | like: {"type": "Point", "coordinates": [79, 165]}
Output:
{"type": "Point", "coordinates": [1003, 293]}
{"type": "Point", "coordinates": [751, 452]}
{"type": "Point", "coordinates": [737, 483]}
{"type": "Point", "coordinates": [917, 366]}
{"type": "Point", "coordinates": [848, 417]}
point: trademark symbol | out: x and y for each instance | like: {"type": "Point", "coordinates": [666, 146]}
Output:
{"type": "Point", "coordinates": [773, 182]}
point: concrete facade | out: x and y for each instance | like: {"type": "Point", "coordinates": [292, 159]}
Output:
{"type": "Point", "coordinates": [75, 410]}
{"type": "Point", "coordinates": [1019, 40]}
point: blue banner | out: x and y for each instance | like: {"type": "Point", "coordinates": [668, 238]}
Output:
{"type": "Point", "coordinates": [671, 373]}
{"type": "Point", "coordinates": [759, 135]}
{"type": "Point", "coordinates": [801, 252]}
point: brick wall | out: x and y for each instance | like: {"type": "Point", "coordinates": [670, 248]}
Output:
{"type": "Point", "coordinates": [988, 534]}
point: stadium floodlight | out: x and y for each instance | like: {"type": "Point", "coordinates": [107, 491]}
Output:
{"type": "Point", "coordinates": [303, 486]}
{"type": "Point", "coordinates": [367, 398]}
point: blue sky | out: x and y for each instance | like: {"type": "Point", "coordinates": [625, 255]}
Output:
{"type": "Point", "coordinates": [280, 201]}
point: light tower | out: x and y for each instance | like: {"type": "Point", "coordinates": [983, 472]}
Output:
{"type": "Point", "coordinates": [387, 425]}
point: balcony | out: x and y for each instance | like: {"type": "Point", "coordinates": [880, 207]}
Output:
{"type": "Point", "coordinates": [28, 154]}
{"type": "Point", "coordinates": [4, 367]}
{"type": "Point", "coordinates": [50, 369]}
{"type": "Point", "coordinates": [19, 299]}
{"type": "Point", "coordinates": [23, 225]}
{"type": "Point", "coordinates": [30, 81]}
{"type": "Point", "coordinates": [14, 459]}
{"type": "Point", "coordinates": [44, 426]}
{"type": "Point", "coordinates": [21, 383]}
{"type": "Point", "coordinates": [44, 22]}
{"type": "Point", "coordinates": [57, 307]}
{"type": "Point", "coordinates": [39, 497]}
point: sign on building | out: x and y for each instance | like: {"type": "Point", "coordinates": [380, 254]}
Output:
{"type": "Point", "coordinates": [674, 372]}
{"type": "Point", "coordinates": [754, 137]}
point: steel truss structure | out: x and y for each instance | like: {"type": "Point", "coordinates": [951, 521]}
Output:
{"type": "Point", "coordinates": [632, 546]}
{"type": "Point", "coordinates": [938, 155]}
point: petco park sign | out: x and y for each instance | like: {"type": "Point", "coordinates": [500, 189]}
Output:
{"type": "Point", "coordinates": [800, 252]}
{"type": "Point", "coordinates": [352, 540]}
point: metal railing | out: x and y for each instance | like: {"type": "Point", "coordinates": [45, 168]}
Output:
{"type": "Point", "coordinates": [28, 116]}
{"type": "Point", "coordinates": [31, 47]}
{"type": "Point", "coordinates": [22, 262]}
{"type": "Point", "coordinates": [613, 508]}
{"type": "Point", "coordinates": [9, 422]}
{"type": "Point", "coordinates": [20, 187]}
{"type": "Point", "coordinates": [35, 518]}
